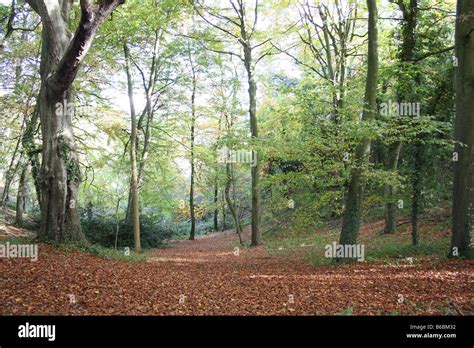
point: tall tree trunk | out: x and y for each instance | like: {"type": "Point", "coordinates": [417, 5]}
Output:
{"type": "Point", "coordinates": [61, 56]}
{"type": "Point", "coordinates": [256, 196]}
{"type": "Point", "coordinates": [224, 215]}
{"type": "Point", "coordinates": [20, 198]}
{"type": "Point", "coordinates": [463, 190]}
{"type": "Point", "coordinates": [60, 174]}
{"type": "Point", "coordinates": [149, 112]}
{"type": "Point", "coordinates": [352, 214]}
{"type": "Point", "coordinates": [117, 222]}
{"type": "Point", "coordinates": [234, 199]}
{"type": "Point", "coordinates": [391, 206]}
{"type": "Point", "coordinates": [135, 210]}
{"type": "Point", "coordinates": [191, 187]}
{"type": "Point", "coordinates": [216, 207]}
{"type": "Point", "coordinates": [416, 187]}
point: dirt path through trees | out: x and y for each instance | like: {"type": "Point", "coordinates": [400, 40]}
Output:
{"type": "Point", "coordinates": [209, 277]}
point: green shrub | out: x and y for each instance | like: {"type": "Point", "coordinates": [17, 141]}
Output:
{"type": "Point", "coordinates": [102, 231]}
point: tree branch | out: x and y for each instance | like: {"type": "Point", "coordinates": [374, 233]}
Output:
{"type": "Point", "coordinates": [435, 53]}
{"type": "Point", "coordinates": [92, 16]}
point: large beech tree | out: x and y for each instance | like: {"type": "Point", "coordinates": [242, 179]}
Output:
{"type": "Point", "coordinates": [61, 56]}
{"type": "Point", "coordinates": [463, 195]}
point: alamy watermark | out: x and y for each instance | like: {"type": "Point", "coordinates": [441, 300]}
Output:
{"type": "Point", "coordinates": [227, 156]}
{"type": "Point", "coordinates": [13, 251]}
{"type": "Point", "coordinates": [392, 108]}
{"type": "Point", "coordinates": [345, 251]}
{"type": "Point", "coordinates": [37, 331]}
{"type": "Point", "coordinates": [65, 108]}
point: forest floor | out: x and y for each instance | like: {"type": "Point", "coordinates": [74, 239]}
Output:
{"type": "Point", "coordinates": [209, 277]}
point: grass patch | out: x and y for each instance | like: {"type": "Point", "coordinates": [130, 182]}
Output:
{"type": "Point", "coordinates": [17, 240]}
{"type": "Point", "coordinates": [437, 248]}
{"type": "Point", "coordinates": [434, 242]}
{"type": "Point", "coordinates": [106, 253]}
{"type": "Point", "coordinates": [236, 244]}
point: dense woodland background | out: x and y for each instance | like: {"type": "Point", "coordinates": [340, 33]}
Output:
{"type": "Point", "coordinates": [126, 124]}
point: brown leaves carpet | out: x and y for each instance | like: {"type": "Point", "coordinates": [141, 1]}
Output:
{"type": "Point", "coordinates": [205, 277]}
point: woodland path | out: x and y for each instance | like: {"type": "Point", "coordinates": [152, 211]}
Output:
{"type": "Point", "coordinates": [205, 277]}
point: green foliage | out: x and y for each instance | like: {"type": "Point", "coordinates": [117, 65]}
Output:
{"type": "Point", "coordinates": [306, 150]}
{"type": "Point", "coordinates": [102, 231]}
{"type": "Point", "coordinates": [106, 253]}
{"type": "Point", "coordinates": [17, 240]}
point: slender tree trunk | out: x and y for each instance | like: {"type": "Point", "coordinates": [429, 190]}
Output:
{"type": "Point", "coordinates": [228, 199]}
{"type": "Point", "coordinates": [20, 199]}
{"type": "Point", "coordinates": [191, 188]}
{"type": "Point", "coordinates": [135, 210]}
{"type": "Point", "coordinates": [149, 88]}
{"type": "Point", "coordinates": [416, 187]}
{"type": "Point", "coordinates": [391, 205]}
{"type": "Point", "coordinates": [89, 211]}
{"type": "Point", "coordinates": [11, 171]}
{"type": "Point", "coordinates": [234, 199]}
{"type": "Point", "coordinates": [128, 212]}
{"type": "Point", "coordinates": [463, 188]}
{"type": "Point", "coordinates": [224, 215]}
{"type": "Point", "coordinates": [256, 196]}
{"type": "Point", "coordinates": [33, 152]}
{"type": "Point", "coordinates": [216, 207]}
{"type": "Point", "coordinates": [352, 215]}
{"type": "Point", "coordinates": [117, 222]}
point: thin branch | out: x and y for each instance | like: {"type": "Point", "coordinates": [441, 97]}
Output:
{"type": "Point", "coordinates": [435, 53]}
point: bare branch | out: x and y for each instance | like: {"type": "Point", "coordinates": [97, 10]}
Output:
{"type": "Point", "coordinates": [200, 14]}
{"type": "Point", "coordinates": [254, 20]}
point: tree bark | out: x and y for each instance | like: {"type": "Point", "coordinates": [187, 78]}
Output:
{"type": "Point", "coordinates": [61, 56]}
{"type": "Point", "coordinates": [256, 196]}
{"type": "Point", "coordinates": [224, 215]}
{"type": "Point", "coordinates": [391, 206]}
{"type": "Point", "coordinates": [228, 199]}
{"type": "Point", "coordinates": [133, 155]}
{"type": "Point", "coordinates": [149, 111]}
{"type": "Point", "coordinates": [417, 182]}
{"type": "Point", "coordinates": [20, 199]}
{"type": "Point", "coordinates": [216, 207]}
{"type": "Point", "coordinates": [117, 222]}
{"type": "Point", "coordinates": [352, 214]}
{"type": "Point", "coordinates": [463, 188]}
{"type": "Point", "coordinates": [191, 186]}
